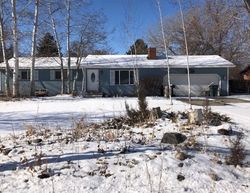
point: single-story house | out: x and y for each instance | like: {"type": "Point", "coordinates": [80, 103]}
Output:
{"type": "Point", "coordinates": [116, 75]}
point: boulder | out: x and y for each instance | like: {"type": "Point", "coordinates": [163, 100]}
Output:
{"type": "Point", "coordinates": [38, 140]}
{"type": "Point", "coordinates": [180, 177]}
{"type": "Point", "coordinates": [195, 116]}
{"type": "Point", "coordinates": [224, 131]}
{"type": "Point", "coordinates": [6, 151]}
{"type": "Point", "coordinates": [181, 156]}
{"type": "Point", "coordinates": [173, 138]}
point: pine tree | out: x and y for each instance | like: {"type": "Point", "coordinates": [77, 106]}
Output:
{"type": "Point", "coordinates": [139, 47]}
{"type": "Point", "coordinates": [47, 46]}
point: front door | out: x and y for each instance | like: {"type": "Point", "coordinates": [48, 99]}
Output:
{"type": "Point", "coordinates": [92, 80]}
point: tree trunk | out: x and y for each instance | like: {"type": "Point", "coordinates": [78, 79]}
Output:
{"type": "Point", "coordinates": [33, 49]}
{"type": "Point", "coordinates": [15, 51]}
{"type": "Point", "coordinates": [187, 54]}
{"type": "Point", "coordinates": [68, 7]}
{"type": "Point", "coordinates": [7, 84]}
{"type": "Point", "coordinates": [166, 52]}
{"type": "Point", "coordinates": [53, 24]}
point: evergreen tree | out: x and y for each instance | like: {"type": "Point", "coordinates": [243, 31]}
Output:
{"type": "Point", "coordinates": [47, 46]}
{"type": "Point", "coordinates": [139, 47]}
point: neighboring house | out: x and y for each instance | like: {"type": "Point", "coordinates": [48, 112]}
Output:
{"type": "Point", "coordinates": [246, 76]}
{"type": "Point", "coordinates": [116, 75]}
{"type": "Point", "coordinates": [246, 73]}
{"type": "Point", "coordinates": [47, 74]}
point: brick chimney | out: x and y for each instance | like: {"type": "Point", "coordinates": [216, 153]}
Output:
{"type": "Point", "coordinates": [151, 53]}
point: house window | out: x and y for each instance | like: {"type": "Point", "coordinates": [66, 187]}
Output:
{"type": "Point", "coordinates": [56, 74]}
{"type": "Point", "coordinates": [191, 71]}
{"type": "Point", "coordinates": [121, 77]}
{"type": "Point", "coordinates": [25, 75]}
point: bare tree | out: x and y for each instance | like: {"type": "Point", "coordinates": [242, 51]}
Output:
{"type": "Point", "coordinates": [90, 37]}
{"type": "Point", "coordinates": [166, 52]}
{"type": "Point", "coordinates": [247, 5]}
{"type": "Point", "coordinates": [15, 48]}
{"type": "Point", "coordinates": [68, 8]}
{"type": "Point", "coordinates": [33, 49]}
{"type": "Point", "coordinates": [5, 59]}
{"type": "Point", "coordinates": [187, 53]}
{"type": "Point", "coordinates": [213, 27]}
{"type": "Point", "coordinates": [54, 28]}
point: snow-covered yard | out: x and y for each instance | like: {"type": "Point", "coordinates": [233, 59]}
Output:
{"type": "Point", "coordinates": [97, 162]}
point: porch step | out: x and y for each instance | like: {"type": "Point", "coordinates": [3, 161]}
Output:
{"type": "Point", "coordinates": [92, 94]}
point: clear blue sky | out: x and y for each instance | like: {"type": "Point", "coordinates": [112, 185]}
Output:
{"type": "Point", "coordinates": [144, 14]}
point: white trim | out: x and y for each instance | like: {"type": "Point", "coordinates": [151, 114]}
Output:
{"type": "Point", "coordinates": [112, 77]}
{"type": "Point", "coordinates": [52, 75]}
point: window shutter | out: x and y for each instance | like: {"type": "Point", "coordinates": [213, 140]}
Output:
{"type": "Point", "coordinates": [112, 77]}
{"type": "Point", "coordinates": [52, 74]}
{"type": "Point", "coordinates": [36, 75]}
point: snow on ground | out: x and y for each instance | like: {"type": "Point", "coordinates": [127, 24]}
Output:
{"type": "Point", "coordinates": [148, 166]}
{"type": "Point", "coordinates": [62, 110]}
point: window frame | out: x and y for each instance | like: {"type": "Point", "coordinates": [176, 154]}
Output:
{"type": "Point", "coordinates": [117, 75]}
{"type": "Point", "coordinates": [28, 75]}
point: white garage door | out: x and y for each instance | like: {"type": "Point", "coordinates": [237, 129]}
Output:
{"type": "Point", "coordinates": [199, 83]}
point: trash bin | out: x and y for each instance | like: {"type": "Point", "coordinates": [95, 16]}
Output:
{"type": "Point", "coordinates": [213, 90]}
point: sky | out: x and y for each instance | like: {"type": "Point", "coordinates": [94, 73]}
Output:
{"type": "Point", "coordinates": [143, 14]}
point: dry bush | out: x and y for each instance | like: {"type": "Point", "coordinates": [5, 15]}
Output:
{"type": "Point", "coordinates": [80, 129]}
{"type": "Point", "coordinates": [237, 152]}
{"type": "Point", "coordinates": [30, 130]}
{"type": "Point", "coordinates": [213, 118]}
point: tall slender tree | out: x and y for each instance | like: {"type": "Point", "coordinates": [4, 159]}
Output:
{"type": "Point", "coordinates": [187, 53]}
{"type": "Point", "coordinates": [58, 44]}
{"type": "Point", "coordinates": [5, 59]}
{"type": "Point", "coordinates": [15, 50]}
{"type": "Point", "coordinates": [33, 49]}
{"type": "Point", "coordinates": [166, 51]}
{"type": "Point", "coordinates": [68, 8]}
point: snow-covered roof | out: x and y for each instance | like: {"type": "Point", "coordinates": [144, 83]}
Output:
{"type": "Point", "coordinates": [125, 61]}
{"type": "Point", "coordinates": [41, 63]}
{"type": "Point", "coordinates": [141, 61]}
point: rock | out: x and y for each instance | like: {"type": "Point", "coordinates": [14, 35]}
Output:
{"type": "Point", "coordinates": [44, 175]}
{"type": "Point", "coordinates": [173, 138]}
{"type": "Point", "coordinates": [156, 113]}
{"type": "Point", "coordinates": [195, 116]}
{"type": "Point", "coordinates": [38, 140]}
{"type": "Point", "coordinates": [224, 131]}
{"type": "Point", "coordinates": [180, 177]}
{"type": "Point", "coordinates": [21, 152]}
{"type": "Point", "coordinates": [214, 176]}
{"type": "Point", "coordinates": [180, 165]}
{"type": "Point", "coordinates": [6, 151]}
{"type": "Point", "coordinates": [181, 156]}
{"type": "Point", "coordinates": [58, 134]}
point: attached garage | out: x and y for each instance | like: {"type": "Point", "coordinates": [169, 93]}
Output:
{"type": "Point", "coordinates": [199, 83]}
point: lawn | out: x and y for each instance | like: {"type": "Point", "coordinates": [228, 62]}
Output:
{"type": "Point", "coordinates": [65, 144]}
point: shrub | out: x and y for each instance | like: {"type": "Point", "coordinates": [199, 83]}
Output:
{"type": "Point", "coordinates": [142, 103]}
{"type": "Point", "coordinates": [237, 152]}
